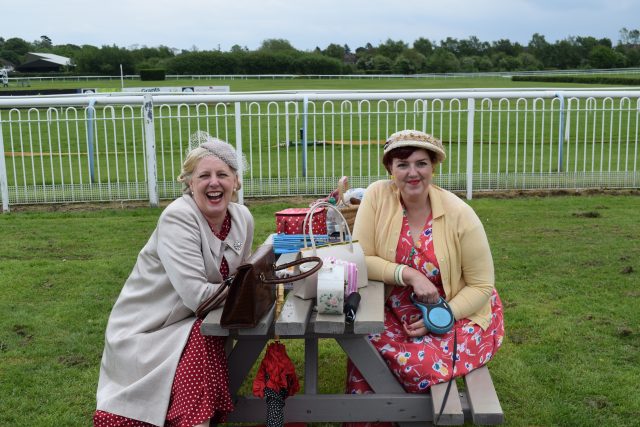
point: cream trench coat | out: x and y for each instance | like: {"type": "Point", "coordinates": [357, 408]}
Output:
{"type": "Point", "coordinates": [152, 318]}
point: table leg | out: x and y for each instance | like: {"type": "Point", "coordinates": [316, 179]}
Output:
{"type": "Point", "coordinates": [370, 364]}
{"type": "Point", "coordinates": [241, 359]}
{"type": "Point", "coordinates": [311, 366]}
{"type": "Point", "coordinates": [373, 368]}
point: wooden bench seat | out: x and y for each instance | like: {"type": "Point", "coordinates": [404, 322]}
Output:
{"type": "Point", "coordinates": [483, 400]}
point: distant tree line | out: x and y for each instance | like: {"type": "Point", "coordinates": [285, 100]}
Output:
{"type": "Point", "coordinates": [278, 56]}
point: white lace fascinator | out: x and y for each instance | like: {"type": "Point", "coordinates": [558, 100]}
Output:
{"type": "Point", "coordinates": [219, 148]}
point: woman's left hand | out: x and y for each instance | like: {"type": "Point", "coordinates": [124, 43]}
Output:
{"type": "Point", "coordinates": [423, 288]}
{"type": "Point", "coordinates": [415, 329]}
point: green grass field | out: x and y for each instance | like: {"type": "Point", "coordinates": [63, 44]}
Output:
{"type": "Point", "coordinates": [262, 84]}
{"type": "Point", "coordinates": [566, 267]}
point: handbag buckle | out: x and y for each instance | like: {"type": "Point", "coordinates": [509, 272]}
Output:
{"type": "Point", "coordinates": [228, 280]}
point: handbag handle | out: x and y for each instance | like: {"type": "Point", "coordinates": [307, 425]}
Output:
{"type": "Point", "coordinates": [308, 221]}
{"type": "Point", "coordinates": [296, 277]}
{"type": "Point", "coordinates": [217, 299]}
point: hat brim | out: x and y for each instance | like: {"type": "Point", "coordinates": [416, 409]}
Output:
{"type": "Point", "coordinates": [439, 152]}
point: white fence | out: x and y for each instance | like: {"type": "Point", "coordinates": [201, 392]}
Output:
{"type": "Point", "coordinates": [116, 147]}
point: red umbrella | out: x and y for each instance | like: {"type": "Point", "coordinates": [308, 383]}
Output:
{"type": "Point", "coordinates": [276, 378]}
{"type": "Point", "coordinates": [276, 372]}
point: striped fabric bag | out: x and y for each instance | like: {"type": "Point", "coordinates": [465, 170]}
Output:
{"type": "Point", "coordinates": [350, 273]}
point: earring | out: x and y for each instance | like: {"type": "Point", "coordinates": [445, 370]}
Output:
{"type": "Point", "coordinates": [391, 176]}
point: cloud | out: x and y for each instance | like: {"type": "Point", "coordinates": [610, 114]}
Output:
{"type": "Point", "coordinates": [208, 24]}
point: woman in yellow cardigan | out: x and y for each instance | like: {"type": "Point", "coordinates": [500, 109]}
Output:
{"type": "Point", "coordinates": [423, 240]}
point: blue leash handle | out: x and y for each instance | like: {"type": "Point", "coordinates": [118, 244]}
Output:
{"type": "Point", "coordinates": [437, 317]}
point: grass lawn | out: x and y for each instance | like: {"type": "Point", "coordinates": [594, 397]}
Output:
{"type": "Point", "coordinates": [567, 269]}
{"type": "Point", "coordinates": [262, 84]}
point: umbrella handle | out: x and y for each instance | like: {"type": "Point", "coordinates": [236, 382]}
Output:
{"type": "Point", "coordinates": [279, 304]}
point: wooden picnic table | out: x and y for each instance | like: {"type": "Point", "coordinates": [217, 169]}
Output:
{"type": "Point", "coordinates": [389, 402]}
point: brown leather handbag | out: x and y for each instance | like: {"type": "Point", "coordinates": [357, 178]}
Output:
{"type": "Point", "coordinates": [250, 292]}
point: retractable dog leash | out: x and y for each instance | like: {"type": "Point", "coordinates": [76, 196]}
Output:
{"type": "Point", "coordinates": [438, 318]}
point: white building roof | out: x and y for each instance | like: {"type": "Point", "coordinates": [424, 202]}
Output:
{"type": "Point", "coordinates": [50, 57]}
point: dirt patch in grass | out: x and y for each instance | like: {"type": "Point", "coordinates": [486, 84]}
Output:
{"type": "Point", "coordinates": [73, 360]}
{"type": "Point", "coordinates": [22, 332]}
{"type": "Point", "coordinates": [136, 204]}
{"type": "Point", "coordinates": [597, 402]}
{"type": "Point", "coordinates": [83, 207]}
{"type": "Point", "coordinates": [512, 194]}
{"type": "Point", "coordinates": [299, 200]}
{"type": "Point", "coordinates": [624, 331]}
{"type": "Point", "coordinates": [587, 214]}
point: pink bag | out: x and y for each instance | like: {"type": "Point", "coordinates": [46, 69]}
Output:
{"type": "Point", "coordinates": [290, 221]}
{"type": "Point", "coordinates": [350, 273]}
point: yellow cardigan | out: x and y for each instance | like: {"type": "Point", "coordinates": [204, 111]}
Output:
{"type": "Point", "coordinates": [459, 239]}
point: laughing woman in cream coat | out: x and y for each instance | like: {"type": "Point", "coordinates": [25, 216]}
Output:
{"type": "Point", "coordinates": [157, 368]}
{"type": "Point", "coordinates": [423, 240]}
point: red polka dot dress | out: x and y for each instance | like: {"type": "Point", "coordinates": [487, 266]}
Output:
{"type": "Point", "coordinates": [419, 362]}
{"type": "Point", "coordinates": [200, 389]}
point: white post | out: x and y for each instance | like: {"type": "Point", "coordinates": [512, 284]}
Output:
{"type": "Point", "coordinates": [121, 78]}
{"type": "Point", "coordinates": [305, 111]}
{"type": "Point", "coordinates": [239, 150]}
{"type": "Point", "coordinates": [4, 186]}
{"type": "Point", "coordinates": [471, 102]}
{"type": "Point", "coordinates": [150, 142]}
{"type": "Point", "coordinates": [562, 131]}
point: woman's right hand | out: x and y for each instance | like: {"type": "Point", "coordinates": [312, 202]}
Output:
{"type": "Point", "coordinates": [424, 290]}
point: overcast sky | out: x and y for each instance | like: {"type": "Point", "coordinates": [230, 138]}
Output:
{"type": "Point", "coordinates": [213, 24]}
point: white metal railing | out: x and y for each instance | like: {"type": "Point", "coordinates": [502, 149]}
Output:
{"type": "Point", "coordinates": [127, 147]}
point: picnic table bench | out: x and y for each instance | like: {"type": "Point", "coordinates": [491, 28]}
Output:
{"type": "Point", "coordinates": [478, 403]}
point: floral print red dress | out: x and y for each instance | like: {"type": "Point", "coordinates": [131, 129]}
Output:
{"type": "Point", "coordinates": [200, 388]}
{"type": "Point", "coordinates": [420, 362]}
